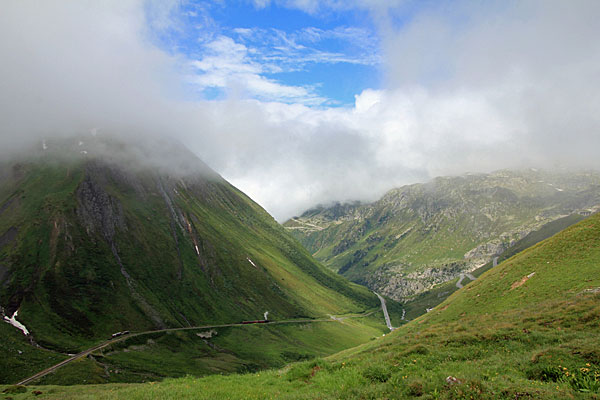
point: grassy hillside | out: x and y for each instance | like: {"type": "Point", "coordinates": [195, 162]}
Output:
{"type": "Point", "coordinates": [431, 298]}
{"type": "Point", "coordinates": [422, 235]}
{"type": "Point", "coordinates": [97, 241]}
{"type": "Point", "coordinates": [528, 328]}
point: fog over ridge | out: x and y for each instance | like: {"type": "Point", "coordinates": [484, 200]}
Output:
{"type": "Point", "coordinates": [467, 88]}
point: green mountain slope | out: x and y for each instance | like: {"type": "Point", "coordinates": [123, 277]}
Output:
{"type": "Point", "coordinates": [527, 329]}
{"type": "Point", "coordinates": [422, 235]}
{"type": "Point", "coordinates": [431, 298]}
{"type": "Point", "coordinates": [103, 236]}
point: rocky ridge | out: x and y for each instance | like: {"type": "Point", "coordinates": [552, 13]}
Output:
{"type": "Point", "coordinates": [421, 235]}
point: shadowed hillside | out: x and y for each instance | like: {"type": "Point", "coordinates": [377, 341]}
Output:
{"type": "Point", "coordinates": [99, 236]}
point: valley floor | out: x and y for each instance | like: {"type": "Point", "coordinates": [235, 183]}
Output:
{"type": "Point", "coordinates": [527, 329]}
{"type": "Point", "coordinates": [545, 352]}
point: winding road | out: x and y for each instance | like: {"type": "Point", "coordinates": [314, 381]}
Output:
{"type": "Point", "coordinates": [471, 277]}
{"type": "Point", "coordinates": [385, 312]}
{"type": "Point", "coordinates": [133, 334]}
{"type": "Point", "coordinates": [463, 276]}
{"type": "Point", "coordinates": [189, 328]}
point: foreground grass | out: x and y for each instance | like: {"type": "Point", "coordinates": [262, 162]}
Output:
{"type": "Point", "coordinates": [528, 329]}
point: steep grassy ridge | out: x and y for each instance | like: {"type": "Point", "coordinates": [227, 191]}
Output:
{"type": "Point", "coordinates": [422, 235]}
{"type": "Point", "coordinates": [528, 329]}
{"type": "Point", "coordinates": [102, 240]}
{"type": "Point", "coordinates": [431, 298]}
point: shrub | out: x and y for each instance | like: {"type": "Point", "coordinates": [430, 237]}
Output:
{"type": "Point", "coordinates": [415, 388]}
{"type": "Point", "coordinates": [543, 372]}
{"type": "Point", "coordinates": [305, 370]}
{"type": "Point", "coordinates": [376, 373]}
{"type": "Point", "coordinates": [585, 380]}
{"type": "Point", "coordinates": [15, 389]}
{"type": "Point", "coordinates": [416, 349]}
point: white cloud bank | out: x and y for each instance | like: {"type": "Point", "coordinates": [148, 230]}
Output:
{"type": "Point", "coordinates": [469, 88]}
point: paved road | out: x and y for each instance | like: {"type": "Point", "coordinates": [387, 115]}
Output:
{"type": "Point", "coordinates": [133, 334]}
{"type": "Point", "coordinates": [463, 276]}
{"type": "Point", "coordinates": [471, 277]}
{"type": "Point", "coordinates": [385, 312]}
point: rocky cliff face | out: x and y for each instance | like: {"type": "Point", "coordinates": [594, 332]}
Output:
{"type": "Point", "coordinates": [419, 235]}
{"type": "Point", "coordinates": [98, 211]}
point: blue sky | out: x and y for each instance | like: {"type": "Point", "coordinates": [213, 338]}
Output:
{"type": "Point", "coordinates": [300, 102]}
{"type": "Point", "coordinates": [275, 53]}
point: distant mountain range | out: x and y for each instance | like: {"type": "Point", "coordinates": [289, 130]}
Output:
{"type": "Point", "coordinates": [421, 235]}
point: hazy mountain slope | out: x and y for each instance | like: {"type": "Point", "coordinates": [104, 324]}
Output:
{"type": "Point", "coordinates": [528, 328]}
{"type": "Point", "coordinates": [420, 235]}
{"type": "Point", "coordinates": [429, 299]}
{"type": "Point", "coordinates": [104, 236]}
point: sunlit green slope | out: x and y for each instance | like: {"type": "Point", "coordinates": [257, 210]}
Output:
{"type": "Point", "coordinates": [529, 328]}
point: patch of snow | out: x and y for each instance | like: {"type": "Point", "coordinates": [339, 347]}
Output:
{"type": "Point", "coordinates": [197, 251]}
{"type": "Point", "coordinates": [83, 152]}
{"type": "Point", "coordinates": [80, 143]}
{"type": "Point", "coordinates": [13, 321]}
{"type": "Point", "coordinates": [266, 315]}
{"type": "Point", "coordinates": [530, 275]}
{"type": "Point", "coordinates": [560, 190]}
{"type": "Point", "coordinates": [207, 334]}
{"type": "Point", "coordinates": [44, 146]}
{"type": "Point", "coordinates": [254, 265]}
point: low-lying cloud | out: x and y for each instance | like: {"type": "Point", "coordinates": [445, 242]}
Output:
{"type": "Point", "coordinates": [468, 88]}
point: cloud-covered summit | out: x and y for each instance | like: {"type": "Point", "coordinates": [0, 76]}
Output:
{"type": "Point", "coordinates": [463, 87]}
